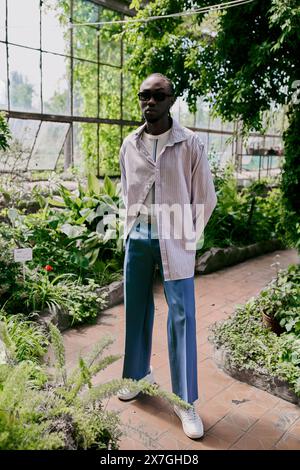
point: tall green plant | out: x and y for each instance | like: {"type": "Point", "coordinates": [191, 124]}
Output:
{"type": "Point", "coordinates": [291, 176]}
{"type": "Point", "coordinates": [5, 134]}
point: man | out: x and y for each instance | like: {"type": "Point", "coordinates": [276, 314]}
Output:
{"type": "Point", "coordinates": [164, 173]}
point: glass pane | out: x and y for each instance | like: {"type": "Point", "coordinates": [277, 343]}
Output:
{"type": "Point", "coordinates": [56, 88]}
{"type": "Point", "coordinates": [3, 77]}
{"type": "Point", "coordinates": [131, 108]}
{"type": "Point", "coordinates": [23, 136]}
{"type": "Point", "coordinates": [185, 117]}
{"type": "Point", "coordinates": [278, 145]}
{"type": "Point", "coordinates": [2, 20]}
{"type": "Point", "coordinates": [85, 12]}
{"type": "Point", "coordinates": [110, 99]}
{"type": "Point", "coordinates": [24, 130]}
{"type": "Point", "coordinates": [109, 145]}
{"type": "Point", "coordinates": [24, 22]}
{"type": "Point", "coordinates": [85, 146]}
{"type": "Point", "coordinates": [227, 149]}
{"type": "Point", "coordinates": [228, 126]}
{"type": "Point", "coordinates": [254, 145]}
{"type": "Point", "coordinates": [110, 46]}
{"type": "Point", "coordinates": [25, 81]}
{"type": "Point", "coordinates": [85, 89]}
{"type": "Point", "coordinates": [85, 38]}
{"type": "Point", "coordinates": [215, 123]}
{"type": "Point", "coordinates": [202, 114]}
{"type": "Point", "coordinates": [55, 31]}
{"type": "Point", "coordinates": [128, 47]}
{"type": "Point", "coordinates": [48, 145]}
{"type": "Point", "coordinates": [215, 147]}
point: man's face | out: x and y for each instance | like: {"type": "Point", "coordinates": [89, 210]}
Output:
{"type": "Point", "coordinates": [152, 109]}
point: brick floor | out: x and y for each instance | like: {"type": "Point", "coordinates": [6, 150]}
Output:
{"type": "Point", "coordinates": [235, 415]}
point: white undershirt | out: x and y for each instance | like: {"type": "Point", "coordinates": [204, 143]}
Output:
{"type": "Point", "coordinates": [149, 141]}
{"type": "Point", "coordinates": [154, 144]}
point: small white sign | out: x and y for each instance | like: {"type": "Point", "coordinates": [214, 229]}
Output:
{"type": "Point", "coordinates": [22, 254]}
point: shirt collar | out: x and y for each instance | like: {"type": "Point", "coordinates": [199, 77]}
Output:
{"type": "Point", "coordinates": [177, 134]}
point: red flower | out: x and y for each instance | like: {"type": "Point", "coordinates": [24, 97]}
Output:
{"type": "Point", "coordinates": [48, 267]}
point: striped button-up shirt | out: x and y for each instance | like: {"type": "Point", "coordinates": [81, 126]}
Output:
{"type": "Point", "coordinates": [183, 188]}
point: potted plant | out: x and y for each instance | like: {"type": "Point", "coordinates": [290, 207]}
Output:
{"type": "Point", "coordinates": [279, 302]}
{"type": "Point", "coordinates": [269, 303]}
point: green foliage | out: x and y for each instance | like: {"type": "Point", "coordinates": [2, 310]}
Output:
{"type": "Point", "coordinates": [22, 426]}
{"type": "Point", "coordinates": [291, 349]}
{"type": "Point", "coordinates": [286, 291]}
{"type": "Point", "coordinates": [243, 216]}
{"type": "Point", "coordinates": [281, 299]}
{"type": "Point", "coordinates": [65, 411]}
{"type": "Point", "coordinates": [92, 224]}
{"type": "Point", "coordinates": [291, 176]}
{"type": "Point", "coordinates": [29, 338]}
{"type": "Point", "coordinates": [238, 66]}
{"type": "Point", "coordinates": [52, 416]}
{"type": "Point", "coordinates": [263, 350]}
{"type": "Point", "coordinates": [72, 239]}
{"type": "Point", "coordinates": [243, 66]}
{"type": "Point", "coordinates": [40, 290]}
{"type": "Point", "coordinates": [4, 132]}
{"type": "Point", "coordinates": [80, 235]}
{"type": "Point", "coordinates": [9, 270]}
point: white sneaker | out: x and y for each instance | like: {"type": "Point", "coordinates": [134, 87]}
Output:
{"type": "Point", "coordinates": [191, 422]}
{"type": "Point", "coordinates": [125, 394]}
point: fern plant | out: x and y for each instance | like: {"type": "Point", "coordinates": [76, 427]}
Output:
{"type": "Point", "coordinates": [64, 411]}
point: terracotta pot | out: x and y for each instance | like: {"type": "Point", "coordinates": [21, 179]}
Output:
{"type": "Point", "coordinates": [272, 324]}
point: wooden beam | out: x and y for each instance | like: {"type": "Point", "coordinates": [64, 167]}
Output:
{"type": "Point", "coordinates": [69, 119]}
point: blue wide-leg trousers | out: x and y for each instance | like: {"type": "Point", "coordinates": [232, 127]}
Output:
{"type": "Point", "coordinates": [142, 254]}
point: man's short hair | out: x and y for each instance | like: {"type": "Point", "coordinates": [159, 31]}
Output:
{"type": "Point", "coordinates": [166, 79]}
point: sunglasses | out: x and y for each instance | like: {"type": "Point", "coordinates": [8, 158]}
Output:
{"type": "Point", "coordinates": [157, 95]}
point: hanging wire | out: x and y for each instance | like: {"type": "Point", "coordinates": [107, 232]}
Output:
{"type": "Point", "coordinates": [217, 7]}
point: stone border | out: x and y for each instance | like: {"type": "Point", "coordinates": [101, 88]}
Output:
{"type": "Point", "coordinates": [113, 296]}
{"type": "Point", "coordinates": [218, 258]}
{"type": "Point", "coordinates": [259, 378]}
{"type": "Point", "coordinates": [114, 293]}
{"type": "Point", "coordinates": [212, 260]}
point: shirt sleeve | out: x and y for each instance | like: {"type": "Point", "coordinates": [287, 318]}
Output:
{"type": "Point", "coordinates": [123, 175]}
{"type": "Point", "coordinates": [204, 197]}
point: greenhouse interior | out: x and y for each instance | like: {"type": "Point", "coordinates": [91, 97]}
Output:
{"type": "Point", "coordinates": [105, 331]}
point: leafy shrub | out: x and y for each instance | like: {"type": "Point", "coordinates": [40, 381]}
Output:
{"type": "Point", "coordinates": [64, 411]}
{"type": "Point", "coordinates": [70, 237]}
{"type": "Point", "coordinates": [9, 270]}
{"type": "Point", "coordinates": [264, 350]}
{"type": "Point", "coordinates": [4, 132]}
{"type": "Point", "coordinates": [59, 414]}
{"type": "Point", "coordinates": [29, 338]}
{"type": "Point", "coordinates": [281, 299]}
{"type": "Point", "coordinates": [291, 176]}
{"type": "Point", "coordinates": [40, 290]}
{"type": "Point", "coordinates": [243, 216]}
